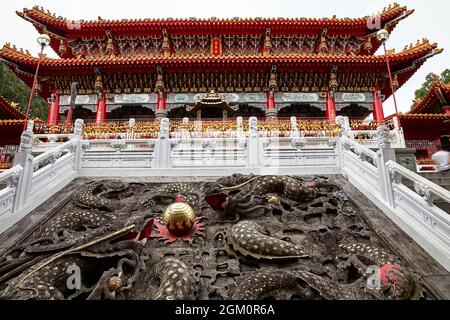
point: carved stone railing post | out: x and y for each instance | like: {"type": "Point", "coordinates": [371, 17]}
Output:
{"type": "Point", "coordinates": [253, 127]}
{"type": "Point", "coordinates": [24, 158]}
{"type": "Point", "coordinates": [30, 125]}
{"type": "Point", "coordinates": [294, 128]}
{"type": "Point", "coordinates": [253, 147]}
{"type": "Point", "coordinates": [77, 148]}
{"type": "Point", "coordinates": [131, 125]}
{"type": "Point", "coordinates": [239, 128]}
{"type": "Point", "coordinates": [385, 154]}
{"type": "Point", "coordinates": [78, 128]}
{"type": "Point", "coordinates": [162, 157]}
{"type": "Point", "coordinates": [185, 129]}
{"type": "Point", "coordinates": [344, 124]}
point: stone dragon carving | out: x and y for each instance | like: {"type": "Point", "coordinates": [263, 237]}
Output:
{"type": "Point", "coordinates": [250, 239]}
{"type": "Point", "coordinates": [166, 194]}
{"type": "Point", "coordinates": [397, 282]}
{"type": "Point", "coordinates": [47, 279]}
{"type": "Point", "coordinates": [176, 280]}
{"type": "Point", "coordinates": [93, 195]}
{"type": "Point", "coordinates": [308, 286]}
{"type": "Point", "coordinates": [242, 195]}
{"type": "Point", "coordinates": [302, 238]}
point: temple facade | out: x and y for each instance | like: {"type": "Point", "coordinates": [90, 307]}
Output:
{"type": "Point", "coordinates": [427, 126]}
{"type": "Point", "coordinates": [216, 68]}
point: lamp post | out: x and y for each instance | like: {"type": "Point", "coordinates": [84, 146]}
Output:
{"type": "Point", "coordinates": [383, 36]}
{"type": "Point", "coordinates": [43, 40]}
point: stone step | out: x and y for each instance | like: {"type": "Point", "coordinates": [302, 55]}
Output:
{"type": "Point", "coordinates": [436, 174]}
{"type": "Point", "coordinates": [440, 178]}
{"type": "Point", "coordinates": [443, 177]}
{"type": "Point", "coordinates": [443, 205]}
{"type": "Point", "coordinates": [444, 180]}
{"type": "Point", "coordinates": [441, 184]}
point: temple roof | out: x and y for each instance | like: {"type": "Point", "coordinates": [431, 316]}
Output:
{"type": "Point", "coordinates": [404, 64]}
{"type": "Point", "coordinates": [60, 28]}
{"type": "Point", "coordinates": [425, 126]}
{"type": "Point", "coordinates": [437, 97]}
{"type": "Point", "coordinates": [9, 110]}
{"type": "Point", "coordinates": [212, 100]}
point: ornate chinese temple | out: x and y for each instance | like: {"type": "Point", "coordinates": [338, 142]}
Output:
{"type": "Point", "coordinates": [11, 126]}
{"type": "Point", "coordinates": [103, 202]}
{"type": "Point", "coordinates": [216, 68]}
{"type": "Point", "coordinates": [427, 126]}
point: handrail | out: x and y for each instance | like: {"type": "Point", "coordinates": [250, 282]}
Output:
{"type": "Point", "coordinates": [363, 149]}
{"type": "Point", "coordinates": [52, 151]}
{"type": "Point", "coordinates": [126, 141]}
{"type": "Point", "coordinates": [49, 135]}
{"type": "Point", "coordinates": [427, 188]}
{"type": "Point", "coordinates": [10, 173]}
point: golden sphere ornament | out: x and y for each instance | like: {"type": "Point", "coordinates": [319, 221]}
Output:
{"type": "Point", "coordinates": [115, 283]}
{"type": "Point", "coordinates": [179, 217]}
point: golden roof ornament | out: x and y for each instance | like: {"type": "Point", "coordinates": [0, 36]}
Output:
{"type": "Point", "coordinates": [395, 83]}
{"type": "Point", "coordinates": [62, 47]}
{"type": "Point", "coordinates": [98, 85]}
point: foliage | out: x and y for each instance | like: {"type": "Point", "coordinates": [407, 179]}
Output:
{"type": "Point", "coordinates": [15, 90]}
{"type": "Point", "coordinates": [426, 86]}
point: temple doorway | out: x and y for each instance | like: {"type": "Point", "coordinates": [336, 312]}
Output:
{"type": "Point", "coordinates": [80, 113]}
{"type": "Point", "coordinates": [301, 111]}
{"type": "Point", "coordinates": [131, 111]}
{"type": "Point", "coordinates": [354, 111]}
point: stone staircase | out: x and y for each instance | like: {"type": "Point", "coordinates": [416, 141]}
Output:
{"type": "Point", "coordinates": [441, 179]}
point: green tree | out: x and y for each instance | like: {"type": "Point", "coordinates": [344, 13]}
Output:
{"type": "Point", "coordinates": [15, 90]}
{"type": "Point", "coordinates": [445, 76]}
{"type": "Point", "coordinates": [426, 86]}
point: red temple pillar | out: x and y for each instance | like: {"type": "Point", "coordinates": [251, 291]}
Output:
{"type": "Point", "coordinates": [53, 111]}
{"type": "Point", "coordinates": [331, 107]}
{"type": "Point", "coordinates": [161, 105]}
{"type": "Point", "coordinates": [162, 100]}
{"type": "Point", "coordinates": [270, 97]}
{"type": "Point", "coordinates": [100, 116]}
{"type": "Point", "coordinates": [69, 115]}
{"type": "Point", "coordinates": [378, 113]}
{"type": "Point", "coordinates": [271, 112]}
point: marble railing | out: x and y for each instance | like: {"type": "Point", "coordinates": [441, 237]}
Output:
{"type": "Point", "coordinates": [382, 180]}
{"type": "Point", "coordinates": [375, 173]}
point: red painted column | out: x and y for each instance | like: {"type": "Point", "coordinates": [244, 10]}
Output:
{"type": "Point", "coordinates": [53, 111]}
{"type": "Point", "coordinates": [162, 100]}
{"type": "Point", "coordinates": [331, 107]}
{"type": "Point", "coordinates": [100, 117]}
{"type": "Point", "coordinates": [270, 100]}
{"type": "Point", "coordinates": [271, 112]}
{"type": "Point", "coordinates": [378, 113]}
{"type": "Point", "coordinates": [69, 115]}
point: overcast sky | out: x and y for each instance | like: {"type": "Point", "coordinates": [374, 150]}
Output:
{"type": "Point", "coordinates": [430, 20]}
